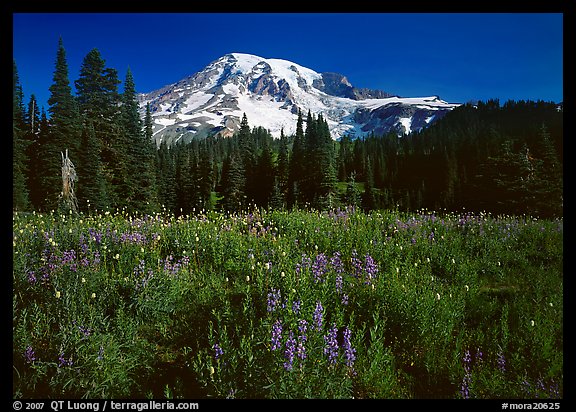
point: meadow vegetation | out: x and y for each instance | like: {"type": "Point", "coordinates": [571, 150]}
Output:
{"type": "Point", "coordinates": [287, 304]}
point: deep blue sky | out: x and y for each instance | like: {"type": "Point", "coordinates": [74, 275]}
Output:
{"type": "Point", "coordinates": [458, 56]}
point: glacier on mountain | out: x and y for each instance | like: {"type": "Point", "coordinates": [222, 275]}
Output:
{"type": "Point", "coordinates": [271, 92]}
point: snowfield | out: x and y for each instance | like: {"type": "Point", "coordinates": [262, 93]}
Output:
{"type": "Point", "coordinates": [224, 91]}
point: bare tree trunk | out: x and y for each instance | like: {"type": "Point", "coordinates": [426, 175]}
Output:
{"type": "Point", "coordinates": [68, 179]}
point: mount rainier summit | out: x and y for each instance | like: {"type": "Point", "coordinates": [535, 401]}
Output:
{"type": "Point", "coordinates": [270, 92]}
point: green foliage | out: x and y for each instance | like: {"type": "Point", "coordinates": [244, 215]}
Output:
{"type": "Point", "coordinates": [287, 304]}
{"type": "Point", "coordinates": [20, 197]}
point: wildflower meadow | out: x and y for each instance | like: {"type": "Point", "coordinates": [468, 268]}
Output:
{"type": "Point", "coordinates": [287, 304]}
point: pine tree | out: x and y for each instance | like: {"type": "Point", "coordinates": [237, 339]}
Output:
{"type": "Point", "coordinates": [266, 172]}
{"type": "Point", "coordinates": [91, 189]}
{"type": "Point", "coordinates": [548, 185]}
{"type": "Point", "coordinates": [205, 176]}
{"type": "Point", "coordinates": [185, 175]}
{"type": "Point", "coordinates": [166, 177]}
{"type": "Point", "coordinates": [65, 132]}
{"type": "Point", "coordinates": [344, 154]}
{"type": "Point", "coordinates": [149, 157]}
{"type": "Point", "coordinates": [233, 183]}
{"type": "Point", "coordinates": [369, 195]}
{"type": "Point", "coordinates": [20, 199]}
{"type": "Point", "coordinates": [64, 115]}
{"type": "Point", "coordinates": [32, 136]}
{"type": "Point", "coordinates": [297, 165]}
{"type": "Point", "coordinates": [509, 177]}
{"type": "Point", "coordinates": [140, 184]}
{"type": "Point", "coordinates": [352, 192]}
{"type": "Point", "coordinates": [99, 102]}
{"type": "Point", "coordinates": [320, 183]}
{"type": "Point", "coordinates": [283, 165]}
{"type": "Point", "coordinates": [248, 155]}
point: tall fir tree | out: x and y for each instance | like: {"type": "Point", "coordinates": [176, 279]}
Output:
{"type": "Point", "coordinates": [140, 184]}
{"type": "Point", "coordinates": [99, 102]}
{"type": "Point", "coordinates": [548, 185]}
{"type": "Point", "coordinates": [283, 168]}
{"type": "Point", "coordinates": [32, 136]}
{"type": "Point", "coordinates": [64, 133]}
{"type": "Point", "coordinates": [297, 170]}
{"type": "Point", "coordinates": [64, 115]}
{"type": "Point", "coordinates": [234, 182]}
{"type": "Point", "coordinates": [266, 175]}
{"type": "Point", "coordinates": [353, 196]}
{"type": "Point", "coordinates": [205, 176]}
{"type": "Point", "coordinates": [166, 177]}
{"type": "Point", "coordinates": [369, 195]}
{"type": "Point", "coordinates": [249, 157]}
{"type": "Point", "coordinates": [319, 185]}
{"type": "Point", "coordinates": [92, 193]}
{"type": "Point", "coordinates": [20, 199]}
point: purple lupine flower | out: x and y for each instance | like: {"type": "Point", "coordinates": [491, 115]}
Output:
{"type": "Point", "coordinates": [96, 236]}
{"type": "Point", "coordinates": [29, 354]}
{"type": "Point", "coordinates": [465, 387]}
{"type": "Point", "coordinates": [83, 244]}
{"type": "Point", "coordinates": [296, 306]}
{"type": "Point", "coordinates": [371, 269]}
{"type": "Point", "coordinates": [32, 277]}
{"type": "Point", "coordinates": [63, 361]}
{"type": "Point", "coordinates": [45, 276]}
{"type": "Point", "coordinates": [344, 299]}
{"type": "Point", "coordinates": [302, 329]}
{"type": "Point", "coordinates": [170, 267]}
{"type": "Point", "coordinates": [540, 386]}
{"type": "Point", "coordinates": [185, 261]}
{"type": "Point", "coordinates": [68, 256]}
{"type": "Point", "coordinates": [331, 347]}
{"type": "Point", "coordinates": [526, 387]}
{"type": "Point", "coordinates": [96, 260]}
{"type": "Point", "coordinates": [339, 283]}
{"type": "Point", "coordinates": [479, 354]}
{"type": "Point", "coordinates": [320, 267]}
{"type": "Point", "coordinates": [336, 263]}
{"type": "Point", "coordinates": [501, 361]}
{"type": "Point", "coordinates": [84, 330]}
{"type": "Point", "coordinates": [349, 351]}
{"type": "Point", "coordinates": [356, 264]}
{"type": "Point", "coordinates": [305, 263]}
{"type": "Point", "coordinates": [273, 300]}
{"type": "Point", "coordinates": [317, 316]}
{"type": "Point", "coordinates": [554, 390]}
{"type": "Point", "coordinates": [290, 351]}
{"type": "Point", "coordinates": [301, 351]}
{"type": "Point", "coordinates": [217, 351]}
{"type": "Point", "coordinates": [276, 335]}
{"type": "Point", "coordinates": [467, 360]}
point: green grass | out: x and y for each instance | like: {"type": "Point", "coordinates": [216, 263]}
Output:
{"type": "Point", "coordinates": [436, 305]}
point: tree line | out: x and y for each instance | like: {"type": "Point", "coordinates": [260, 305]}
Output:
{"type": "Point", "coordinates": [482, 157]}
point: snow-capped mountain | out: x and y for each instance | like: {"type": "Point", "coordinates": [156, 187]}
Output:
{"type": "Point", "coordinates": [270, 92]}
